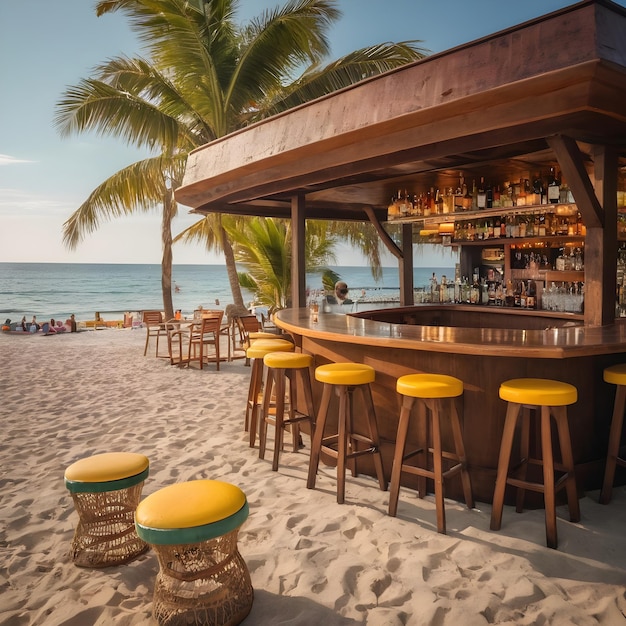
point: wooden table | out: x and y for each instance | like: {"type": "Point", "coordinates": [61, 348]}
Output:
{"type": "Point", "coordinates": [483, 358]}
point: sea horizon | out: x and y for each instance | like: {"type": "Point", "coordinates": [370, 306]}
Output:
{"type": "Point", "coordinates": [56, 290]}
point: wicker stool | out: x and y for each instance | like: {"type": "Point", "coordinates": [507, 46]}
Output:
{"type": "Point", "coordinates": [257, 350]}
{"type": "Point", "coordinates": [616, 375]}
{"type": "Point", "coordinates": [106, 489]}
{"type": "Point", "coordinates": [549, 398]}
{"type": "Point", "coordinates": [193, 527]}
{"type": "Point", "coordinates": [345, 379]}
{"type": "Point", "coordinates": [430, 390]}
{"type": "Point", "coordinates": [282, 367]}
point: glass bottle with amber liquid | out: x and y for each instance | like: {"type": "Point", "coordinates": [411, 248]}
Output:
{"type": "Point", "coordinates": [554, 187]}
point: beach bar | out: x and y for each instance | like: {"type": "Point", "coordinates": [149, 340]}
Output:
{"type": "Point", "coordinates": [511, 147]}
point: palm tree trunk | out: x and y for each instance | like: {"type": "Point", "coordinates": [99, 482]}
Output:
{"type": "Point", "coordinates": [231, 270]}
{"type": "Point", "coordinates": [166, 262]}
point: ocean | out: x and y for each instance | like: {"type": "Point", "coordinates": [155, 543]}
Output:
{"type": "Point", "coordinates": [55, 290]}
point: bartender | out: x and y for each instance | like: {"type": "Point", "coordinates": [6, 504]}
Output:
{"type": "Point", "coordinates": [341, 292]}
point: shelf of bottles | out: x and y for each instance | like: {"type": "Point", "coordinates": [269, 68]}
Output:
{"type": "Point", "coordinates": [435, 206]}
{"type": "Point", "coordinates": [565, 296]}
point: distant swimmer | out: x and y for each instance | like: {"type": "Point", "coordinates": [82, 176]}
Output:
{"type": "Point", "coordinates": [176, 287]}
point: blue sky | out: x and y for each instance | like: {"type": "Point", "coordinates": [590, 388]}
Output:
{"type": "Point", "coordinates": [48, 46]}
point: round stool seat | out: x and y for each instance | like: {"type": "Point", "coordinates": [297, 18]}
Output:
{"type": "Point", "coordinates": [190, 512]}
{"type": "Point", "coordinates": [259, 334]}
{"type": "Point", "coordinates": [538, 392]}
{"type": "Point", "coordinates": [261, 347]}
{"type": "Point", "coordinates": [287, 360]}
{"type": "Point", "coordinates": [616, 374]}
{"type": "Point", "coordinates": [193, 527]}
{"type": "Point", "coordinates": [109, 471]}
{"type": "Point", "coordinates": [345, 374]}
{"type": "Point", "coordinates": [106, 489]}
{"type": "Point", "coordinates": [429, 386]}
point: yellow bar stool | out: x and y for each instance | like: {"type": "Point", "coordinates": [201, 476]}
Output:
{"type": "Point", "coordinates": [193, 527]}
{"type": "Point", "coordinates": [257, 350]}
{"type": "Point", "coordinates": [431, 391]}
{"type": "Point", "coordinates": [548, 398]}
{"type": "Point", "coordinates": [106, 489]}
{"type": "Point", "coordinates": [345, 379]}
{"type": "Point", "coordinates": [283, 368]}
{"type": "Point", "coordinates": [615, 375]}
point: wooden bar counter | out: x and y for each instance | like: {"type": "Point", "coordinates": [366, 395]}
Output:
{"type": "Point", "coordinates": [481, 357]}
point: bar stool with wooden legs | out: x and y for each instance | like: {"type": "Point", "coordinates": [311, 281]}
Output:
{"type": "Point", "coordinates": [283, 367]}
{"type": "Point", "coordinates": [345, 446]}
{"type": "Point", "coordinates": [256, 352]}
{"type": "Point", "coordinates": [615, 375]}
{"type": "Point", "coordinates": [430, 391]}
{"type": "Point", "coordinates": [547, 398]}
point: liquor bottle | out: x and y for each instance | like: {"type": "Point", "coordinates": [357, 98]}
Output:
{"type": "Point", "coordinates": [489, 194]}
{"type": "Point", "coordinates": [448, 201]}
{"type": "Point", "coordinates": [509, 294]}
{"type": "Point", "coordinates": [554, 187]}
{"type": "Point", "coordinates": [467, 198]}
{"type": "Point", "coordinates": [458, 196]}
{"type": "Point", "coordinates": [497, 197]}
{"type": "Point", "coordinates": [474, 196]}
{"type": "Point", "coordinates": [438, 202]}
{"type": "Point", "coordinates": [542, 225]}
{"type": "Point", "coordinates": [481, 194]}
{"type": "Point", "coordinates": [531, 295]}
{"type": "Point", "coordinates": [393, 210]}
{"type": "Point", "coordinates": [538, 189]}
{"type": "Point", "coordinates": [475, 290]}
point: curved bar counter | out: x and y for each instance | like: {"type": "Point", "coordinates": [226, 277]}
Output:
{"type": "Point", "coordinates": [482, 358]}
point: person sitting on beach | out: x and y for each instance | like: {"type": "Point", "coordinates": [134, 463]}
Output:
{"type": "Point", "coordinates": [49, 328]}
{"type": "Point", "coordinates": [24, 327]}
{"type": "Point", "coordinates": [71, 323]}
{"type": "Point", "coordinates": [57, 326]}
{"type": "Point", "coordinates": [34, 326]}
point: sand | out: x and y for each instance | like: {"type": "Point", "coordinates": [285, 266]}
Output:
{"type": "Point", "coordinates": [312, 561]}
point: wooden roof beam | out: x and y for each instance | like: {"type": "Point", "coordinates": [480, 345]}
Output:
{"type": "Point", "coordinates": [573, 167]}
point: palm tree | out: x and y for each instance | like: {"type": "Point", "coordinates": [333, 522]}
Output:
{"type": "Point", "coordinates": [263, 247]}
{"type": "Point", "coordinates": [205, 78]}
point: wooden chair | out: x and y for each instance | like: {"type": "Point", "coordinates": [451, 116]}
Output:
{"type": "Point", "coordinates": [153, 322]}
{"type": "Point", "coordinates": [246, 329]}
{"type": "Point", "coordinates": [203, 333]}
{"type": "Point", "coordinates": [178, 333]}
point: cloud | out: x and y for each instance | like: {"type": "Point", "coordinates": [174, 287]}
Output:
{"type": "Point", "coordinates": [6, 159]}
{"type": "Point", "coordinates": [18, 202]}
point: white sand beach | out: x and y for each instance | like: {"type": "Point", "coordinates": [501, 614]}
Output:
{"type": "Point", "coordinates": [311, 560]}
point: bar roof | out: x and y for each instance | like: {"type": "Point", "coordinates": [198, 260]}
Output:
{"type": "Point", "coordinates": [485, 106]}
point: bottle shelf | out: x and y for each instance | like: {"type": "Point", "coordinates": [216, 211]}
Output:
{"type": "Point", "coordinates": [441, 218]}
{"type": "Point", "coordinates": [548, 276]}
{"type": "Point", "coordinates": [507, 241]}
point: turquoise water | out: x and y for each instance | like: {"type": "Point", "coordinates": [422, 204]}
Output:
{"type": "Point", "coordinates": [58, 289]}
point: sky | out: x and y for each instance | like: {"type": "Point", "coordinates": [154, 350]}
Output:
{"type": "Point", "coordinates": [46, 47]}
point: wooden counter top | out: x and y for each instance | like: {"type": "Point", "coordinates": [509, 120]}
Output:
{"type": "Point", "coordinates": [553, 343]}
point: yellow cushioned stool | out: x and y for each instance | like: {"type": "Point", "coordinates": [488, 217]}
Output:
{"type": "Point", "coordinates": [615, 375]}
{"type": "Point", "coordinates": [106, 489]}
{"type": "Point", "coordinates": [193, 527]}
{"type": "Point", "coordinates": [431, 391]}
{"type": "Point", "coordinates": [257, 350]}
{"type": "Point", "coordinates": [547, 398]}
{"type": "Point", "coordinates": [283, 368]}
{"type": "Point", "coordinates": [345, 446]}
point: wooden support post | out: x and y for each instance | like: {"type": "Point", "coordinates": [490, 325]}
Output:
{"type": "Point", "coordinates": [597, 203]}
{"type": "Point", "coordinates": [298, 265]}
